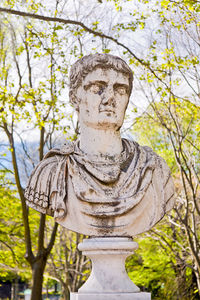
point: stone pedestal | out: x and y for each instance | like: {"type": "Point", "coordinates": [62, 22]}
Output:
{"type": "Point", "coordinates": [108, 279]}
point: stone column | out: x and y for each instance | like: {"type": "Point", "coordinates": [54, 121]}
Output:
{"type": "Point", "coordinates": [108, 279]}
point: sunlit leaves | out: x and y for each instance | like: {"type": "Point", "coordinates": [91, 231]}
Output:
{"type": "Point", "coordinates": [11, 231]}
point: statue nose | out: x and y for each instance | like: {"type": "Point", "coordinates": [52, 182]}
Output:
{"type": "Point", "coordinates": [108, 96]}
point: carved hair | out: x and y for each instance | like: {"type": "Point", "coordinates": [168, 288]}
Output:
{"type": "Point", "coordinates": [89, 63]}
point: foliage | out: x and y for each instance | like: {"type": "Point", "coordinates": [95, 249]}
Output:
{"type": "Point", "coordinates": [160, 41]}
{"type": "Point", "coordinates": [12, 262]}
{"type": "Point", "coordinates": [171, 129]}
{"type": "Point", "coordinates": [151, 269]}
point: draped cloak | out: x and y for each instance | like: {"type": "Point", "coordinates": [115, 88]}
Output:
{"type": "Point", "coordinates": [102, 195]}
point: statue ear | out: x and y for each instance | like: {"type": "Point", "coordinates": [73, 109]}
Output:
{"type": "Point", "coordinates": [76, 106]}
{"type": "Point", "coordinates": [74, 101]}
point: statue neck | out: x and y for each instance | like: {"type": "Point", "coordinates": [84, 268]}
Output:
{"type": "Point", "coordinates": [100, 141]}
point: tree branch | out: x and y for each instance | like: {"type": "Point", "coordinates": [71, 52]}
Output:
{"type": "Point", "coordinates": [41, 233]}
{"type": "Point", "coordinates": [29, 254]}
{"type": "Point", "coordinates": [86, 28]}
{"type": "Point", "coordinates": [53, 236]}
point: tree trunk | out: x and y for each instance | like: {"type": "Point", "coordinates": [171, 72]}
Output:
{"type": "Point", "coordinates": [15, 289]}
{"type": "Point", "coordinates": [38, 271]}
{"type": "Point", "coordinates": [66, 293]}
{"type": "Point", "coordinates": [198, 281]}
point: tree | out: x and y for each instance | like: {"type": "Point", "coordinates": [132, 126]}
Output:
{"type": "Point", "coordinates": [166, 70]}
{"type": "Point", "coordinates": [67, 264]}
{"type": "Point", "coordinates": [11, 255]}
{"type": "Point", "coordinates": [177, 115]}
{"type": "Point", "coordinates": [173, 114]}
{"type": "Point", "coordinates": [179, 237]}
{"type": "Point", "coordinates": [13, 104]}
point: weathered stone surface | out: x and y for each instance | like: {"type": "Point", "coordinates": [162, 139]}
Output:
{"type": "Point", "coordinates": [108, 279]}
{"type": "Point", "coordinates": [111, 296]}
{"type": "Point", "coordinates": [102, 185]}
{"type": "Point", "coordinates": [108, 258]}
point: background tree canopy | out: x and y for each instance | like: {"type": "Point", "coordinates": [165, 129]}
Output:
{"type": "Point", "coordinates": [160, 40]}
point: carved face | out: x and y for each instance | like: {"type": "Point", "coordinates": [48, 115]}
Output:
{"type": "Point", "coordinates": [104, 96]}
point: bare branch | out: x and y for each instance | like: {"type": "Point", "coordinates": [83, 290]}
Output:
{"type": "Point", "coordinates": [86, 28]}
{"type": "Point", "coordinates": [53, 236]}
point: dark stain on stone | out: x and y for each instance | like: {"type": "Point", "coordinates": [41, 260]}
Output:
{"type": "Point", "coordinates": [124, 166]}
{"type": "Point", "coordinates": [116, 209]}
{"type": "Point", "coordinates": [83, 194]}
{"type": "Point", "coordinates": [91, 191]}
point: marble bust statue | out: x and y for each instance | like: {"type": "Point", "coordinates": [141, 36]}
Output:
{"type": "Point", "coordinates": [101, 184]}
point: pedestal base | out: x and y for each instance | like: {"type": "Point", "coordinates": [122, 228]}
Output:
{"type": "Point", "coordinates": [111, 296]}
{"type": "Point", "coordinates": [108, 279]}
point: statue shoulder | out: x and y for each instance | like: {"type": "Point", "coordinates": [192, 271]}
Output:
{"type": "Point", "coordinates": [46, 178]}
{"type": "Point", "coordinates": [50, 162]}
{"type": "Point", "coordinates": [66, 149]}
{"type": "Point", "coordinates": [162, 175]}
{"type": "Point", "coordinates": [160, 162]}
{"type": "Point", "coordinates": [146, 155]}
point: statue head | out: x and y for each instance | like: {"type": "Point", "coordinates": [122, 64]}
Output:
{"type": "Point", "coordinates": [88, 64]}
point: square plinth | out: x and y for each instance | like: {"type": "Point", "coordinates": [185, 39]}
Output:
{"type": "Point", "coordinates": [111, 296]}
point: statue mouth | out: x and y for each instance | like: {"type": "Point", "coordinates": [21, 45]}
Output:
{"type": "Point", "coordinates": [106, 110]}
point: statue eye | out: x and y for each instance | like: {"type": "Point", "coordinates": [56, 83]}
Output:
{"type": "Point", "coordinates": [97, 89]}
{"type": "Point", "coordinates": [94, 88]}
{"type": "Point", "coordinates": [121, 90]}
